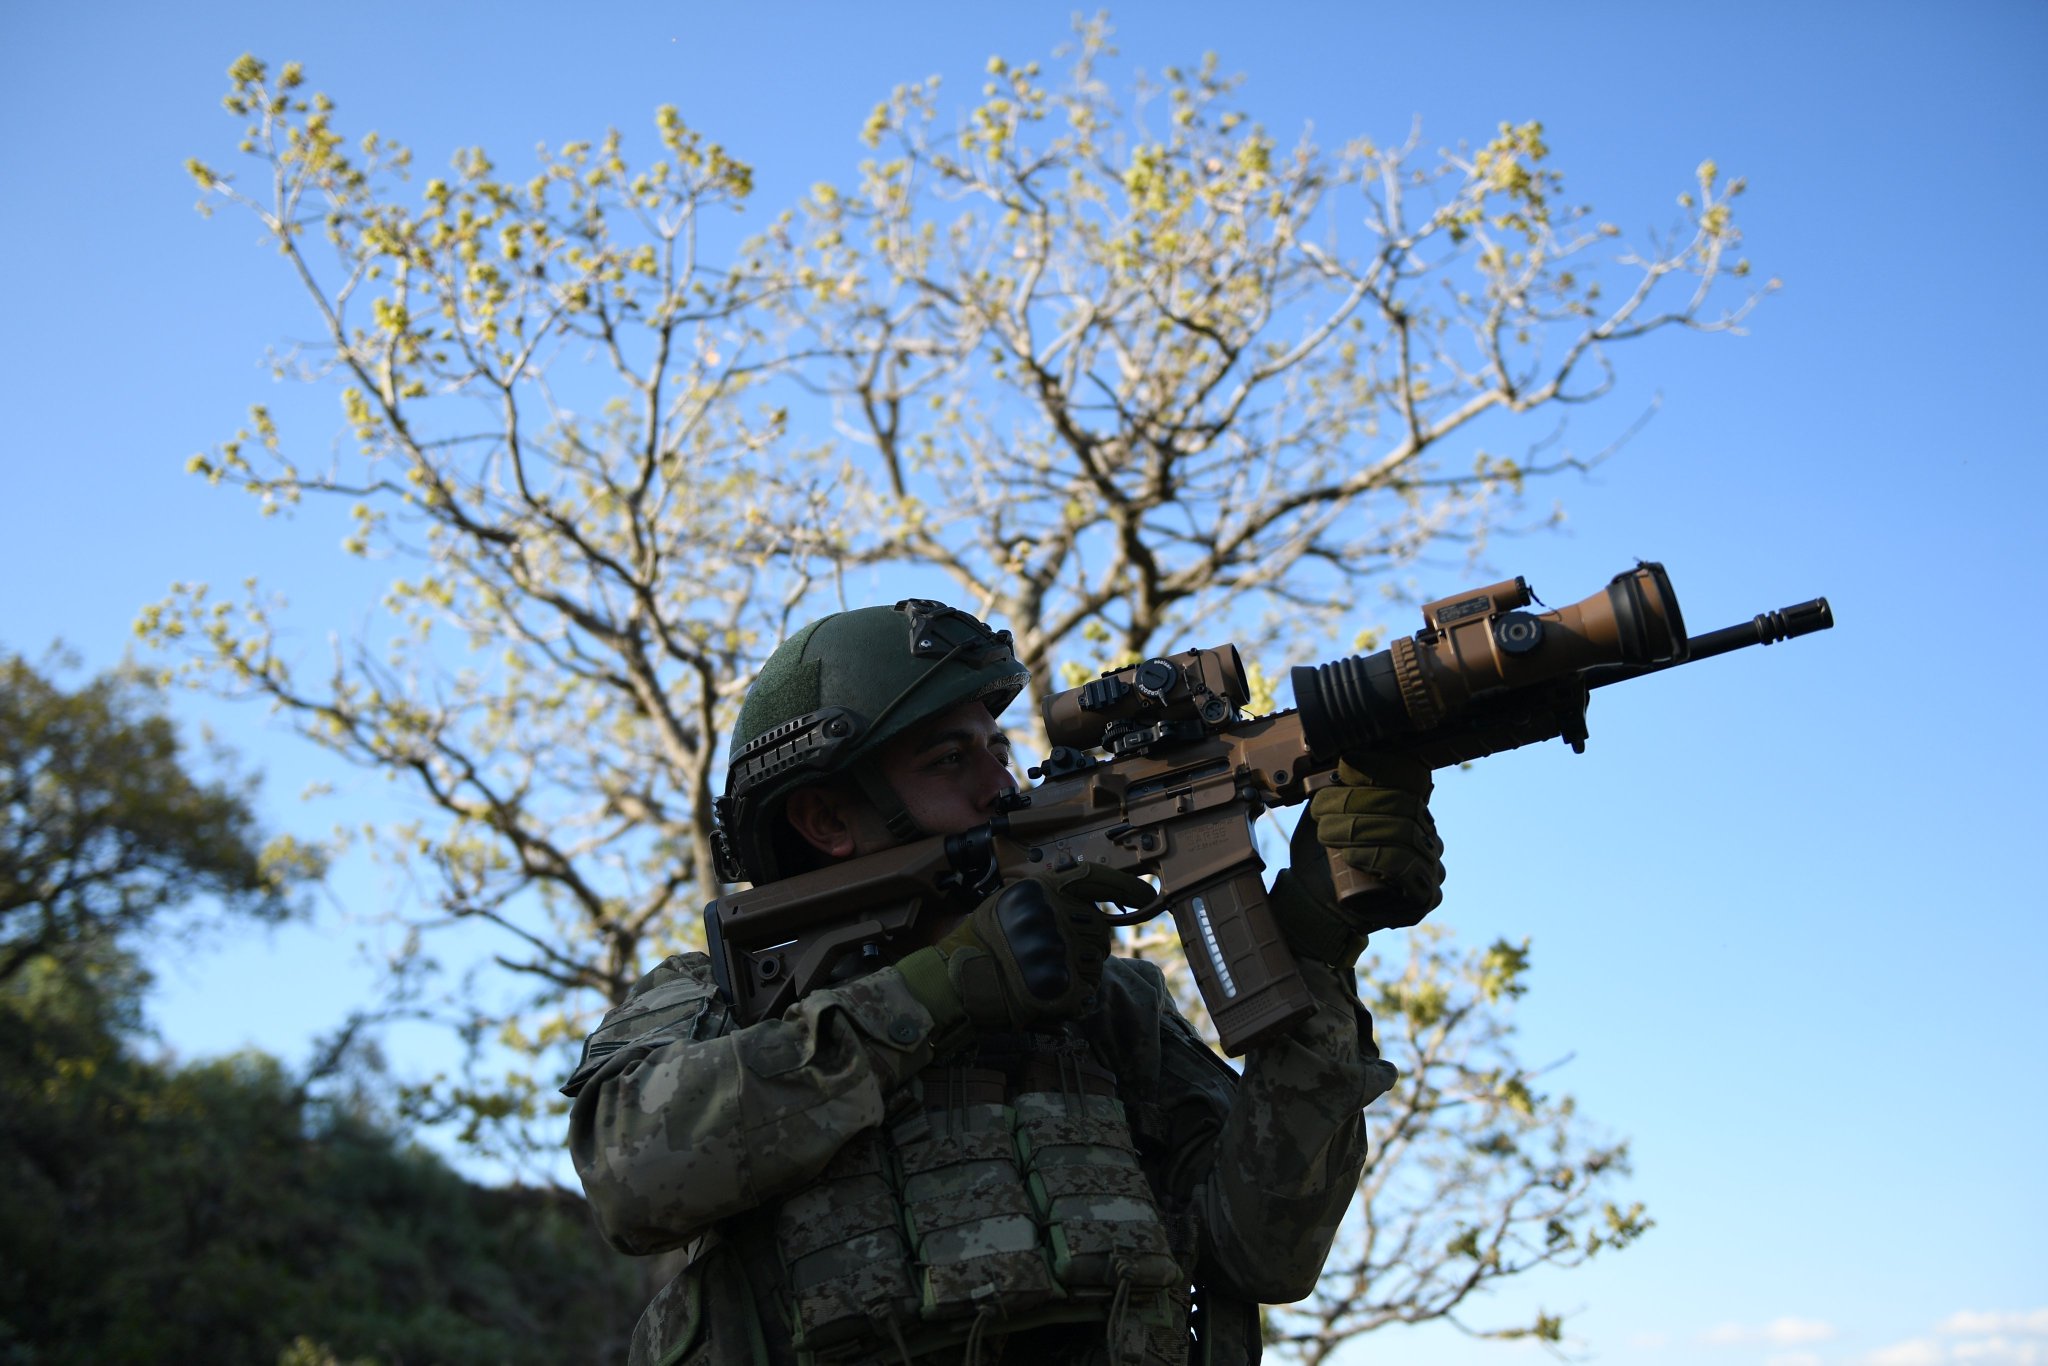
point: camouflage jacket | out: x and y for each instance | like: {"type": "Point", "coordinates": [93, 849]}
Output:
{"type": "Point", "coordinates": [690, 1132]}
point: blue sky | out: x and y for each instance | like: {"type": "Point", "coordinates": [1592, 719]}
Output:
{"type": "Point", "coordinates": [1786, 910]}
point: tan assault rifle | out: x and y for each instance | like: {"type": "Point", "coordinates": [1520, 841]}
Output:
{"type": "Point", "coordinates": [1182, 773]}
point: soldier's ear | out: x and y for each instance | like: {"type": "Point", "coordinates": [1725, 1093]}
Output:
{"type": "Point", "coordinates": [824, 816]}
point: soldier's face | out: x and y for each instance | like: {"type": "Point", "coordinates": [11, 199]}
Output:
{"type": "Point", "coordinates": [951, 771]}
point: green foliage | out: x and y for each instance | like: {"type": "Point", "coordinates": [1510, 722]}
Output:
{"type": "Point", "coordinates": [218, 1212]}
{"type": "Point", "coordinates": [104, 829]}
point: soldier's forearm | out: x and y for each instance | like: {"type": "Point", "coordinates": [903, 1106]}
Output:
{"type": "Point", "coordinates": [1288, 1157]}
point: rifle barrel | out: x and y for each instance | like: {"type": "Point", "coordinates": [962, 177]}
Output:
{"type": "Point", "coordinates": [1766, 628]}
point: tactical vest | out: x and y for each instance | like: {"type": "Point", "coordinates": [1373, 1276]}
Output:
{"type": "Point", "coordinates": [1001, 1201]}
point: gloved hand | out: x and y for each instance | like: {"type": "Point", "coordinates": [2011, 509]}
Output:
{"type": "Point", "coordinates": [1375, 818]}
{"type": "Point", "coordinates": [1030, 954]}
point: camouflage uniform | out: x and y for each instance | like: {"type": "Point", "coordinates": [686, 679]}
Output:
{"type": "Point", "coordinates": [853, 1182]}
{"type": "Point", "coordinates": [740, 1143]}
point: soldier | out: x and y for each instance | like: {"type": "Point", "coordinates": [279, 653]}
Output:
{"type": "Point", "coordinates": [1006, 1144]}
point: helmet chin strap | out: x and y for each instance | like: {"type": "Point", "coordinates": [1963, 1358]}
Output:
{"type": "Point", "coordinates": [896, 817]}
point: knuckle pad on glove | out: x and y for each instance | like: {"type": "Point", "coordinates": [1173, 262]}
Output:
{"type": "Point", "coordinates": [1029, 921]}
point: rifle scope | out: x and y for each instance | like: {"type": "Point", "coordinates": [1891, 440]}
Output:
{"type": "Point", "coordinates": [1201, 687]}
{"type": "Point", "coordinates": [1479, 645]}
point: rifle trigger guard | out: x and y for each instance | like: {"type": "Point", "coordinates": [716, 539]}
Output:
{"type": "Point", "coordinates": [1142, 914]}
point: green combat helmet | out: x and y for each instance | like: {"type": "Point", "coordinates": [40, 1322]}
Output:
{"type": "Point", "coordinates": [830, 696]}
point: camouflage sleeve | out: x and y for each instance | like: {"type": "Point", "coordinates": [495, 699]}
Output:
{"type": "Point", "coordinates": [1271, 1170]}
{"type": "Point", "coordinates": [1290, 1153]}
{"type": "Point", "coordinates": [680, 1120]}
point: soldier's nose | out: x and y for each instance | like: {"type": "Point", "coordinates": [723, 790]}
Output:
{"type": "Point", "coordinates": [1001, 781]}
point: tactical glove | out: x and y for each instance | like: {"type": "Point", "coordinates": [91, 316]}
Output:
{"type": "Point", "coordinates": [1376, 819]}
{"type": "Point", "coordinates": [1030, 954]}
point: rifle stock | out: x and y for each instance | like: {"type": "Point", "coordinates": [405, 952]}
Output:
{"type": "Point", "coordinates": [1155, 770]}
